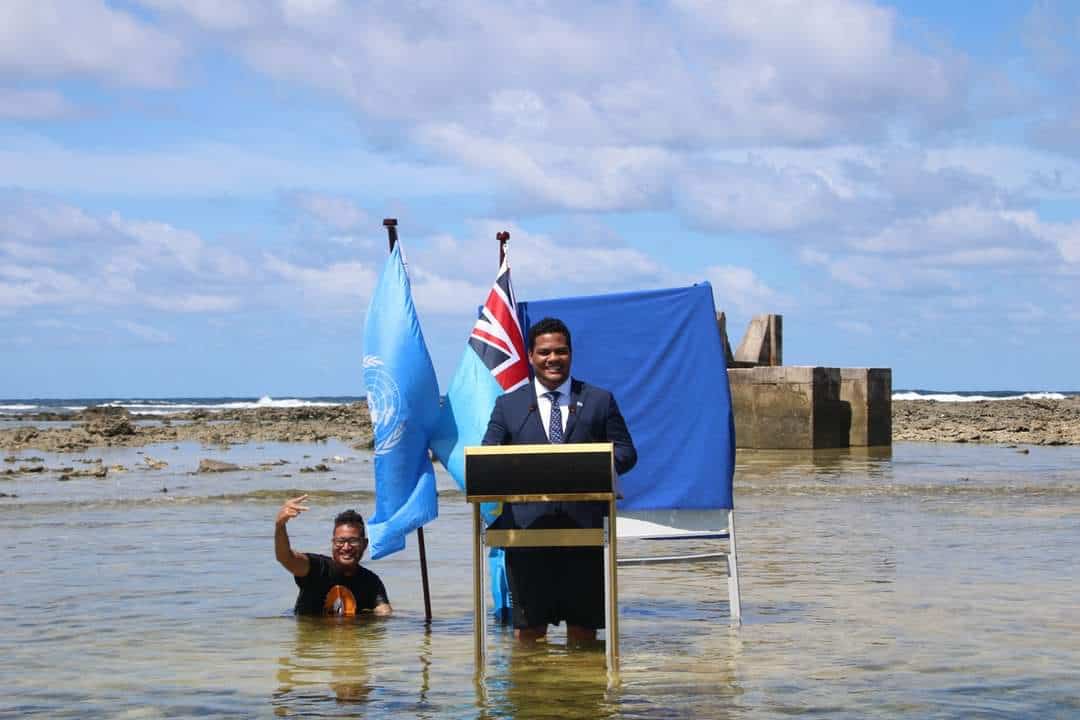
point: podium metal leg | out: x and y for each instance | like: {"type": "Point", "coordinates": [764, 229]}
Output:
{"type": "Point", "coordinates": [479, 615]}
{"type": "Point", "coordinates": [611, 585]}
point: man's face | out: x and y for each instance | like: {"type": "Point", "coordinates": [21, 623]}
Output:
{"type": "Point", "coordinates": [348, 545]}
{"type": "Point", "coordinates": [550, 358]}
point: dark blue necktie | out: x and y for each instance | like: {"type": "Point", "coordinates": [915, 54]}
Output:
{"type": "Point", "coordinates": [555, 424]}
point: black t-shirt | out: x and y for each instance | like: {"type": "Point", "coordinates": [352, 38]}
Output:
{"type": "Point", "coordinates": [326, 591]}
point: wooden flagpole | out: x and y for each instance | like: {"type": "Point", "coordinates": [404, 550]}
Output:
{"type": "Point", "coordinates": [391, 230]}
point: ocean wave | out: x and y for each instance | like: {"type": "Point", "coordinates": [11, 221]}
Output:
{"type": "Point", "coordinates": [955, 397]}
{"type": "Point", "coordinates": [167, 407]}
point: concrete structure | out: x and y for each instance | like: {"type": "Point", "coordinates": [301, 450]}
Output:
{"type": "Point", "coordinates": [762, 344]}
{"type": "Point", "coordinates": [798, 407]}
{"type": "Point", "coordinates": [788, 407]}
{"type": "Point", "coordinates": [868, 391]}
{"type": "Point", "coordinates": [807, 408]}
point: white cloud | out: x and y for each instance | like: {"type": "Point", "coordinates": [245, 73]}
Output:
{"type": "Point", "coordinates": [575, 178]}
{"type": "Point", "coordinates": [857, 327]}
{"type": "Point", "coordinates": [1014, 168]}
{"type": "Point", "coordinates": [437, 294]}
{"type": "Point", "coordinates": [628, 75]}
{"type": "Point", "coordinates": [336, 212]}
{"type": "Point", "coordinates": [886, 275]}
{"type": "Point", "coordinates": [253, 165]}
{"type": "Point", "coordinates": [339, 280]}
{"type": "Point", "coordinates": [29, 285]}
{"type": "Point", "coordinates": [1026, 313]}
{"type": "Point", "coordinates": [213, 14]}
{"type": "Point", "coordinates": [194, 303]}
{"type": "Point", "coordinates": [54, 254]}
{"type": "Point", "coordinates": [739, 289]}
{"type": "Point", "coordinates": [145, 332]}
{"type": "Point", "coordinates": [956, 227]}
{"type": "Point", "coordinates": [160, 241]}
{"type": "Point", "coordinates": [57, 39]}
{"type": "Point", "coordinates": [756, 196]}
{"type": "Point", "coordinates": [1064, 236]}
{"type": "Point", "coordinates": [548, 266]}
{"type": "Point", "coordinates": [16, 104]}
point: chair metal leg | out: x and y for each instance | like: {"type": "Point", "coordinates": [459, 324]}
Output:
{"type": "Point", "coordinates": [734, 597]}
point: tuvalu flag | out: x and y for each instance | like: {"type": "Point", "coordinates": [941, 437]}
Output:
{"type": "Point", "coordinates": [403, 398]}
{"type": "Point", "coordinates": [493, 363]}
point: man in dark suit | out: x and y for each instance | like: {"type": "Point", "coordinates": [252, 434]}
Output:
{"type": "Point", "coordinates": [550, 585]}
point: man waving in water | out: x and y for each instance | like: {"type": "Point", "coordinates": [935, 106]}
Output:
{"type": "Point", "coordinates": [335, 585]}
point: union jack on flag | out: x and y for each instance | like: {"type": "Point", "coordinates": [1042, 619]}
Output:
{"type": "Point", "coordinates": [497, 338]}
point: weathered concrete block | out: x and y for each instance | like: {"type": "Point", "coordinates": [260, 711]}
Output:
{"type": "Point", "coordinates": [763, 342]}
{"type": "Point", "coordinates": [789, 407]}
{"type": "Point", "coordinates": [869, 393]}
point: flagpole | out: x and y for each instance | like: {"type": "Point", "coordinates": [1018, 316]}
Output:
{"type": "Point", "coordinates": [503, 236]}
{"type": "Point", "coordinates": [391, 230]}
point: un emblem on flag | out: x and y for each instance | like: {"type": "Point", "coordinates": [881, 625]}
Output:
{"type": "Point", "coordinates": [384, 405]}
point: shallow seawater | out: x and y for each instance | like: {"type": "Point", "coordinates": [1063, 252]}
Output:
{"type": "Point", "coordinates": [929, 581]}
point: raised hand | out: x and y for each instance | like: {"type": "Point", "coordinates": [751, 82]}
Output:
{"type": "Point", "coordinates": [291, 509]}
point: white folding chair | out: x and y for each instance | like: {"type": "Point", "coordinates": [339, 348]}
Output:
{"type": "Point", "coordinates": [689, 525]}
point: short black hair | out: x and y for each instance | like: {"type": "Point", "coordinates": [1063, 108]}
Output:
{"type": "Point", "coordinates": [546, 326]}
{"type": "Point", "coordinates": [351, 517]}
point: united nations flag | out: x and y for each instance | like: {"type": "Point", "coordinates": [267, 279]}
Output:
{"type": "Point", "coordinates": [403, 398]}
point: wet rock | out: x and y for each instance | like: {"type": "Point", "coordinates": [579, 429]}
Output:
{"type": "Point", "coordinates": [97, 472]}
{"type": "Point", "coordinates": [154, 463]}
{"type": "Point", "coordinates": [110, 424]}
{"type": "Point", "coordinates": [23, 435]}
{"type": "Point", "coordinates": [103, 411]}
{"type": "Point", "coordinates": [208, 466]}
{"type": "Point", "coordinates": [28, 459]}
{"type": "Point", "coordinates": [1023, 421]}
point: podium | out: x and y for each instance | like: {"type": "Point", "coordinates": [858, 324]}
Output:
{"type": "Point", "coordinates": [574, 472]}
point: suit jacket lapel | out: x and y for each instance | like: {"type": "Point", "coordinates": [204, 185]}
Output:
{"type": "Point", "coordinates": [531, 425]}
{"type": "Point", "coordinates": [575, 398]}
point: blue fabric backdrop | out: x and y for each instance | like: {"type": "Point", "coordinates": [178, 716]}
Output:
{"type": "Point", "coordinates": [660, 353]}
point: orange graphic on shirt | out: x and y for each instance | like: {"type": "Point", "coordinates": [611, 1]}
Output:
{"type": "Point", "coordinates": [339, 601]}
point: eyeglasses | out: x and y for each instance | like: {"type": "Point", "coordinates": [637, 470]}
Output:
{"type": "Point", "coordinates": [351, 542]}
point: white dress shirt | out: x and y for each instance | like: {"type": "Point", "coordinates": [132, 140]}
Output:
{"type": "Point", "coordinates": [543, 405]}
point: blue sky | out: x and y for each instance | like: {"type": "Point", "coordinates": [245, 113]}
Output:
{"type": "Point", "coordinates": [191, 191]}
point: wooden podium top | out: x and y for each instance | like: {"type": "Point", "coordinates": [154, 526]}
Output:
{"type": "Point", "coordinates": [541, 473]}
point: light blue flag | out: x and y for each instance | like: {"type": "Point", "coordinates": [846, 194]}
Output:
{"type": "Point", "coordinates": [403, 398]}
{"type": "Point", "coordinates": [494, 362]}
{"type": "Point", "coordinates": [465, 414]}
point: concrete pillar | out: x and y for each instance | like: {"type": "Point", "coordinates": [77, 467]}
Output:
{"type": "Point", "coordinates": [763, 342]}
{"type": "Point", "coordinates": [868, 391]}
